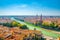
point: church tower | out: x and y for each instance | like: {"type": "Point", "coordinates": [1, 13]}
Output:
{"type": "Point", "coordinates": [41, 19]}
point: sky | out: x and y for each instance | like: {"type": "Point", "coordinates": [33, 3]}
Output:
{"type": "Point", "coordinates": [30, 7]}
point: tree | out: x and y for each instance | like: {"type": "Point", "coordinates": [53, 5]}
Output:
{"type": "Point", "coordinates": [24, 27]}
{"type": "Point", "coordinates": [14, 23]}
{"type": "Point", "coordinates": [52, 25]}
{"type": "Point", "coordinates": [19, 25]}
{"type": "Point", "coordinates": [1, 38]}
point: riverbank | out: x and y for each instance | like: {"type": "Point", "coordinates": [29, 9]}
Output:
{"type": "Point", "coordinates": [45, 32]}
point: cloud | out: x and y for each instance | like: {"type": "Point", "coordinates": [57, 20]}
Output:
{"type": "Point", "coordinates": [23, 9]}
{"type": "Point", "coordinates": [18, 6]}
{"type": "Point", "coordinates": [23, 6]}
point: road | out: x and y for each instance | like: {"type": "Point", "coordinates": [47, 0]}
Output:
{"type": "Point", "coordinates": [45, 32]}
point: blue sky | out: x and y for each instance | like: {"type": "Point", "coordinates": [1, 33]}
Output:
{"type": "Point", "coordinates": [30, 7]}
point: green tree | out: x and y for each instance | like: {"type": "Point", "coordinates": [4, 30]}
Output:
{"type": "Point", "coordinates": [24, 27]}
{"type": "Point", "coordinates": [1, 38]}
{"type": "Point", "coordinates": [52, 25]}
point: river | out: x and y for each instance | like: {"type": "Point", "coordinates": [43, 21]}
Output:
{"type": "Point", "coordinates": [45, 32]}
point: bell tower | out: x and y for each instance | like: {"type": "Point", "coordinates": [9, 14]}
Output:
{"type": "Point", "coordinates": [41, 19]}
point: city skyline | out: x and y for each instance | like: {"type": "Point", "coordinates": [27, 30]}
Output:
{"type": "Point", "coordinates": [30, 7]}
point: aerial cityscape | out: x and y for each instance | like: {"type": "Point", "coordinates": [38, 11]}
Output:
{"type": "Point", "coordinates": [29, 19]}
